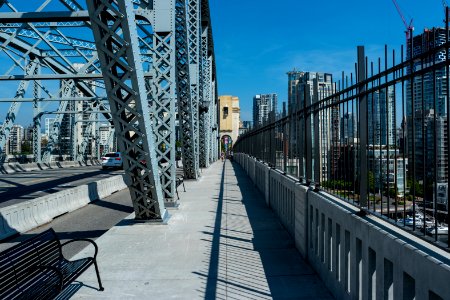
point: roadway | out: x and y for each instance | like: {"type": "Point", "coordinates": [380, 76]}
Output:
{"type": "Point", "coordinates": [22, 186]}
{"type": "Point", "coordinates": [90, 221]}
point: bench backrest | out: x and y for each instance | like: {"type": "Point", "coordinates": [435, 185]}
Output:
{"type": "Point", "coordinates": [16, 263]}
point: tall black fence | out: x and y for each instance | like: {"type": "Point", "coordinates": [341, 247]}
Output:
{"type": "Point", "coordinates": [377, 138]}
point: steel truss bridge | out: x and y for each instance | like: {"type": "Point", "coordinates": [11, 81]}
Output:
{"type": "Point", "coordinates": [138, 65]}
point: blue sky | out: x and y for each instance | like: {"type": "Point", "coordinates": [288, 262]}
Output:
{"type": "Point", "coordinates": [257, 42]}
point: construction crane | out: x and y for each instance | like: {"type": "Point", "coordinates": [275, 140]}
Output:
{"type": "Point", "coordinates": [445, 5]}
{"type": "Point", "coordinates": [409, 27]}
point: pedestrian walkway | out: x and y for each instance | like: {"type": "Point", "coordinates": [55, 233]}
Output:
{"type": "Point", "coordinates": [221, 243]}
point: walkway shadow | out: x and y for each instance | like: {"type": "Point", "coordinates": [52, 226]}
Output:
{"type": "Point", "coordinates": [72, 289]}
{"type": "Point", "coordinates": [251, 255]}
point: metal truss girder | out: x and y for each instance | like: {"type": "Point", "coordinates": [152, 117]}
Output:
{"type": "Point", "coordinates": [68, 89]}
{"type": "Point", "coordinates": [52, 63]}
{"type": "Point", "coordinates": [47, 16]}
{"type": "Point", "coordinates": [27, 33]}
{"type": "Point", "coordinates": [205, 127]}
{"type": "Point", "coordinates": [161, 93]}
{"type": "Point", "coordinates": [14, 108]}
{"type": "Point", "coordinates": [45, 24]}
{"type": "Point", "coordinates": [79, 44]}
{"type": "Point", "coordinates": [118, 51]}
{"type": "Point", "coordinates": [214, 130]}
{"type": "Point", "coordinates": [185, 104]}
{"type": "Point", "coordinates": [86, 137]}
{"type": "Point", "coordinates": [109, 147]}
{"type": "Point", "coordinates": [37, 152]}
{"type": "Point", "coordinates": [193, 31]}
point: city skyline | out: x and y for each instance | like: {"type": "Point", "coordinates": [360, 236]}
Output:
{"type": "Point", "coordinates": [314, 49]}
{"type": "Point", "coordinates": [322, 47]}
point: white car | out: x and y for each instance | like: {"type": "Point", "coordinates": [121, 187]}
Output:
{"type": "Point", "coordinates": [112, 160]}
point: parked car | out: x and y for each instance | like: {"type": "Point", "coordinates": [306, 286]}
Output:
{"type": "Point", "coordinates": [112, 160]}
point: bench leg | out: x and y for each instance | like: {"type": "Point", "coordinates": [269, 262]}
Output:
{"type": "Point", "coordinates": [98, 277]}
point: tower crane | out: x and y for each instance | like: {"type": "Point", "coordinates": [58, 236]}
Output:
{"type": "Point", "coordinates": [445, 5]}
{"type": "Point", "coordinates": [409, 27]}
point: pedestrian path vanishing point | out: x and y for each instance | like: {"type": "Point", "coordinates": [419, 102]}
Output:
{"type": "Point", "coordinates": [222, 243]}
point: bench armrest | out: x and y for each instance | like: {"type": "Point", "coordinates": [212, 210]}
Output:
{"type": "Point", "coordinates": [85, 240]}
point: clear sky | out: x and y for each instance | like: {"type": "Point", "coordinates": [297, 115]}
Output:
{"type": "Point", "coordinates": [257, 42]}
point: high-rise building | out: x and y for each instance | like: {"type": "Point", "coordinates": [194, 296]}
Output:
{"type": "Point", "coordinates": [48, 125]}
{"type": "Point", "coordinates": [311, 88]}
{"type": "Point", "coordinates": [15, 139]}
{"type": "Point", "coordinates": [293, 79]}
{"type": "Point", "coordinates": [426, 111]}
{"type": "Point", "coordinates": [349, 128]}
{"type": "Point", "coordinates": [264, 108]}
{"type": "Point", "coordinates": [381, 117]}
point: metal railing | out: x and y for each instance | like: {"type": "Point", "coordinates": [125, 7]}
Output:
{"type": "Point", "coordinates": [377, 139]}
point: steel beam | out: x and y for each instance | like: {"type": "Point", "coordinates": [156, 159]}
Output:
{"type": "Point", "coordinates": [205, 105]}
{"type": "Point", "coordinates": [37, 152]}
{"type": "Point", "coordinates": [193, 33]}
{"type": "Point", "coordinates": [185, 103]}
{"type": "Point", "coordinates": [47, 16]}
{"type": "Point", "coordinates": [161, 90]}
{"type": "Point", "coordinates": [116, 38]}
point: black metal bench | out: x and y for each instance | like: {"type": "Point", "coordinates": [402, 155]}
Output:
{"type": "Point", "coordinates": [36, 268]}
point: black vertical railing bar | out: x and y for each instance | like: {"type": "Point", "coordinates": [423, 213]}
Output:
{"type": "Point", "coordinates": [386, 89]}
{"type": "Point", "coordinates": [284, 148]}
{"type": "Point", "coordinates": [334, 163]}
{"type": "Point", "coordinates": [378, 136]}
{"type": "Point", "coordinates": [308, 141]}
{"type": "Point", "coordinates": [448, 117]}
{"type": "Point", "coordinates": [351, 144]}
{"type": "Point", "coordinates": [394, 126]}
{"type": "Point", "coordinates": [373, 157]}
{"type": "Point", "coordinates": [404, 140]}
{"type": "Point", "coordinates": [435, 147]}
{"type": "Point", "coordinates": [424, 163]}
{"type": "Point", "coordinates": [363, 124]}
{"type": "Point", "coordinates": [413, 114]}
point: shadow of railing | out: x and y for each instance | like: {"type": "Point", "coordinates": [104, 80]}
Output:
{"type": "Point", "coordinates": [251, 255]}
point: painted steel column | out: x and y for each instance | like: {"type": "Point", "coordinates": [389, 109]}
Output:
{"type": "Point", "coordinates": [161, 94]}
{"type": "Point", "coordinates": [116, 37]}
{"type": "Point", "coordinates": [185, 102]}
{"type": "Point", "coordinates": [37, 118]}
{"type": "Point", "coordinates": [193, 18]}
{"type": "Point", "coordinates": [205, 127]}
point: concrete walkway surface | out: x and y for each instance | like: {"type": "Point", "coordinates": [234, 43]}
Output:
{"type": "Point", "coordinates": [221, 243]}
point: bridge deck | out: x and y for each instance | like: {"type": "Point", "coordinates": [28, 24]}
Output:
{"type": "Point", "coordinates": [222, 243]}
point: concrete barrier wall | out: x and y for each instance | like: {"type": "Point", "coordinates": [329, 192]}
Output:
{"type": "Point", "coordinates": [282, 198]}
{"type": "Point", "coordinates": [33, 213]}
{"type": "Point", "coordinates": [16, 167]}
{"type": "Point", "coordinates": [357, 258]}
